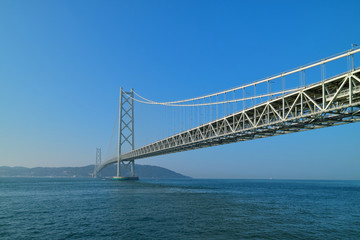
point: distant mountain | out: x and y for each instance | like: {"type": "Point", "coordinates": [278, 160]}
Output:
{"type": "Point", "coordinates": [142, 171]}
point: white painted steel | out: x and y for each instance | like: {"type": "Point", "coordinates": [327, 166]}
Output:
{"type": "Point", "coordinates": [327, 103]}
{"type": "Point", "coordinates": [284, 74]}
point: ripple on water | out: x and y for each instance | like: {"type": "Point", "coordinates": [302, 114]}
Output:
{"type": "Point", "coordinates": [178, 209]}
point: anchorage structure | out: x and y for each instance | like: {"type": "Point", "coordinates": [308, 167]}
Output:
{"type": "Point", "coordinates": [328, 102]}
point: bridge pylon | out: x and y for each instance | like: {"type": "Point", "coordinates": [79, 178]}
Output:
{"type": "Point", "coordinates": [97, 161]}
{"type": "Point", "coordinates": [125, 134]}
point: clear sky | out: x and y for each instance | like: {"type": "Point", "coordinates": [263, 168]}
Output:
{"type": "Point", "coordinates": [62, 64]}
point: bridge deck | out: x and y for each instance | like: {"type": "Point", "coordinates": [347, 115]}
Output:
{"type": "Point", "coordinates": [331, 102]}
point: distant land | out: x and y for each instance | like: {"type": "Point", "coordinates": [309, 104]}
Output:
{"type": "Point", "coordinates": [142, 171]}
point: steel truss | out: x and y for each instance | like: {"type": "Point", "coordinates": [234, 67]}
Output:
{"type": "Point", "coordinates": [125, 134]}
{"type": "Point", "coordinates": [97, 161]}
{"type": "Point", "coordinates": [126, 130]}
{"type": "Point", "coordinates": [332, 102]}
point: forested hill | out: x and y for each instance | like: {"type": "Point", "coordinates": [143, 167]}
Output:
{"type": "Point", "coordinates": [142, 171]}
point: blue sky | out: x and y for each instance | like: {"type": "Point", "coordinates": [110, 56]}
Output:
{"type": "Point", "coordinates": [62, 64]}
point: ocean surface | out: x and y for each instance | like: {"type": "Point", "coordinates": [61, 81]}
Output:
{"type": "Point", "coordinates": [55, 208]}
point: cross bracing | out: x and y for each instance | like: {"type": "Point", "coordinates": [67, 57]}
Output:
{"type": "Point", "coordinates": [331, 102]}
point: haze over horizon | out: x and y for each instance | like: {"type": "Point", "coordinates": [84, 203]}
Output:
{"type": "Point", "coordinates": [62, 64]}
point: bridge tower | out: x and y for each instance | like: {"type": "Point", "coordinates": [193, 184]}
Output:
{"type": "Point", "coordinates": [97, 161]}
{"type": "Point", "coordinates": [126, 133]}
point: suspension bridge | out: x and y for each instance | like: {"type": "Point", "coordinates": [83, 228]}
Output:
{"type": "Point", "coordinates": [321, 94]}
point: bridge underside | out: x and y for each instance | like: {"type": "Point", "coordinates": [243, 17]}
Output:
{"type": "Point", "coordinates": [332, 102]}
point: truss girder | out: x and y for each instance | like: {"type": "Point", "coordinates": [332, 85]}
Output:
{"type": "Point", "coordinates": [331, 102]}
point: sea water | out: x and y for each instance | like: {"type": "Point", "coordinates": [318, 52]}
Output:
{"type": "Point", "coordinates": [55, 208]}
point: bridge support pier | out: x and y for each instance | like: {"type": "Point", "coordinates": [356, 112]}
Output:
{"type": "Point", "coordinates": [125, 166]}
{"type": "Point", "coordinates": [126, 133]}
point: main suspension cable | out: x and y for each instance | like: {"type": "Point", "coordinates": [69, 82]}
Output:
{"type": "Point", "coordinates": [265, 80]}
{"type": "Point", "coordinates": [172, 104]}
